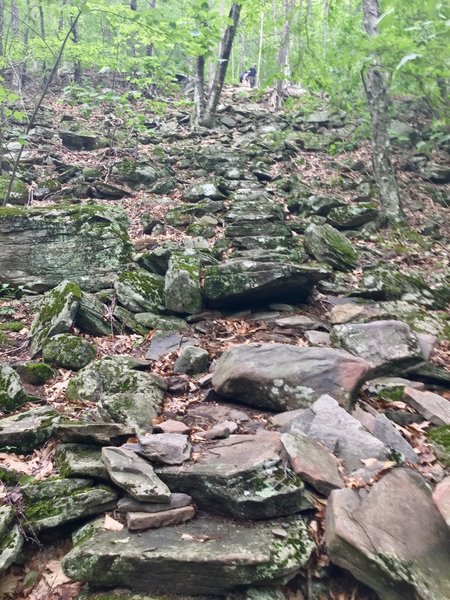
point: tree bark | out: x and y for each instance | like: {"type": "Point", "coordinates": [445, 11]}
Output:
{"type": "Point", "coordinates": [378, 104]}
{"type": "Point", "coordinates": [205, 116]}
{"type": "Point", "coordinates": [283, 52]}
{"type": "Point", "coordinates": [260, 49]}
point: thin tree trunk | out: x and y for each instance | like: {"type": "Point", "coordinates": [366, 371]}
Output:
{"type": "Point", "coordinates": [260, 48]}
{"type": "Point", "coordinates": [42, 28]}
{"type": "Point", "coordinates": [77, 63]}
{"type": "Point", "coordinates": [378, 104]}
{"type": "Point", "coordinates": [208, 114]}
{"type": "Point", "coordinates": [150, 49]}
{"type": "Point", "coordinates": [283, 52]}
{"type": "Point", "coordinates": [2, 26]}
{"type": "Point", "coordinates": [199, 90]}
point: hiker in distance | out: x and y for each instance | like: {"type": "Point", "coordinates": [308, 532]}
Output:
{"type": "Point", "coordinates": [249, 76]}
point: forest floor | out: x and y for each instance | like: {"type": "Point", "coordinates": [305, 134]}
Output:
{"type": "Point", "coordinates": [40, 577]}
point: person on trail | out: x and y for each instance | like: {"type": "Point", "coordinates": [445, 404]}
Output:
{"type": "Point", "coordinates": [251, 76]}
{"type": "Point", "coordinates": [243, 77]}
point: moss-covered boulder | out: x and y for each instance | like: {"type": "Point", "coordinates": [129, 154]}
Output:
{"type": "Point", "coordinates": [152, 321]}
{"type": "Point", "coordinates": [55, 314]}
{"type": "Point", "coordinates": [182, 288]}
{"type": "Point", "coordinates": [140, 291]}
{"type": "Point", "coordinates": [138, 175]}
{"type": "Point", "coordinates": [35, 373]}
{"type": "Point", "coordinates": [19, 191]}
{"type": "Point", "coordinates": [68, 351]}
{"type": "Point", "coordinates": [28, 430]}
{"type": "Point", "coordinates": [123, 395]}
{"type": "Point", "coordinates": [11, 538]}
{"type": "Point", "coordinates": [242, 282]}
{"type": "Point", "coordinates": [327, 244]}
{"type": "Point", "coordinates": [184, 215]}
{"type": "Point", "coordinates": [439, 438]}
{"type": "Point", "coordinates": [353, 215]}
{"type": "Point", "coordinates": [40, 247]}
{"type": "Point", "coordinates": [172, 560]}
{"type": "Point", "coordinates": [12, 394]}
{"type": "Point", "coordinates": [55, 501]}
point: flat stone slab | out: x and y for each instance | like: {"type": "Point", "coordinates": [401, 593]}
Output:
{"type": "Point", "coordinates": [54, 502]}
{"type": "Point", "coordinates": [205, 556]}
{"type": "Point", "coordinates": [432, 407]}
{"type": "Point", "coordinates": [80, 460]}
{"type": "Point", "coordinates": [26, 431]}
{"type": "Point", "coordinates": [242, 476]}
{"type": "Point", "coordinates": [101, 434]}
{"type": "Point", "coordinates": [393, 539]}
{"type": "Point", "coordinates": [135, 475]}
{"type": "Point", "coordinates": [312, 462]}
{"type": "Point", "coordinates": [138, 521]}
{"type": "Point", "coordinates": [129, 504]}
{"type": "Point", "coordinates": [286, 377]}
{"type": "Point", "coordinates": [164, 342]}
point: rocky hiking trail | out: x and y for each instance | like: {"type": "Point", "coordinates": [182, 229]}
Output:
{"type": "Point", "coordinates": [219, 377]}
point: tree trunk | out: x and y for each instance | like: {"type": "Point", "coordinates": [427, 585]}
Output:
{"type": "Point", "coordinates": [283, 52]}
{"type": "Point", "coordinates": [260, 48]}
{"type": "Point", "coordinates": [2, 25]}
{"type": "Point", "coordinates": [378, 104]}
{"type": "Point", "coordinates": [150, 49]}
{"type": "Point", "coordinates": [77, 63]}
{"type": "Point", "coordinates": [206, 116]}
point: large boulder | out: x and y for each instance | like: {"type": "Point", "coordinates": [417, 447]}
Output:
{"type": "Point", "coordinates": [353, 215]}
{"type": "Point", "coordinates": [182, 285]}
{"type": "Point", "coordinates": [243, 282]}
{"type": "Point", "coordinates": [40, 247]}
{"type": "Point", "coordinates": [56, 314]}
{"type": "Point", "coordinates": [12, 394]}
{"type": "Point", "coordinates": [206, 556]}
{"type": "Point", "coordinates": [285, 377]}
{"type": "Point", "coordinates": [388, 345]}
{"type": "Point", "coordinates": [123, 395]}
{"type": "Point", "coordinates": [325, 243]}
{"type": "Point", "coordinates": [393, 538]}
{"type": "Point", "coordinates": [242, 476]}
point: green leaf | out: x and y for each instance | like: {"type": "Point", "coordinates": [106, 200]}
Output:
{"type": "Point", "coordinates": [406, 59]}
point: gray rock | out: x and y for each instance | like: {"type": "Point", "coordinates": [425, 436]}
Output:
{"type": "Point", "coordinates": [327, 244]}
{"type": "Point", "coordinates": [297, 321]}
{"type": "Point", "coordinates": [80, 460]}
{"type": "Point", "coordinates": [153, 321]}
{"type": "Point", "coordinates": [200, 191]}
{"type": "Point", "coordinates": [165, 448]}
{"type": "Point", "coordinates": [68, 351]}
{"type": "Point", "coordinates": [405, 557]}
{"type": "Point", "coordinates": [19, 193]}
{"type": "Point", "coordinates": [140, 291]}
{"type": "Point", "coordinates": [139, 521]}
{"type": "Point", "coordinates": [92, 317]}
{"type": "Point", "coordinates": [101, 434]}
{"type": "Point", "coordinates": [12, 394]}
{"type": "Point", "coordinates": [134, 475]}
{"type": "Point", "coordinates": [432, 407]}
{"type": "Point", "coordinates": [340, 433]}
{"type": "Point", "coordinates": [182, 285]}
{"type": "Point", "coordinates": [138, 175]}
{"type": "Point", "coordinates": [78, 141]}
{"type": "Point", "coordinates": [11, 538]}
{"type": "Point", "coordinates": [40, 247]}
{"type": "Point", "coordinates": [123, 395]}
{"type": "Point", "coordinates": [220, 431]}
{"type": "Point", "coordinates": [312, 462]}
{"type": "Point", "coordinates": [36, 373]}
{"type": "Point", "coordinates": [353, 215]}
{"type": "Point", "coordinates": [283, 376]}
{"type": "Point", "coordinates": [128, 504]}
{"type": "Point", "coordinates": [436, 173]}
{"type": "Point", "coordinates": [26, 431]}
{"type": "Point", "coordinates": [242, 476]}
{"type": "Point", "coordinates": [242, 282]}
{"type": "Point", "coordinates": [318, 338]}
{"type": "Point", "coordinates": [56, 314]}
{"type": "Point", "coordinates": [55, 502]}
{"type": "Point", "coordinates": [165, 342]}
{"type": "Point", "coordinates": [192, 360]}
{"type": "Point", "coordinates": [387, 345]}
{"type": "Point", "coordinates": [385, 431]}
{"type": "Point", "coordinates": [205, 556]}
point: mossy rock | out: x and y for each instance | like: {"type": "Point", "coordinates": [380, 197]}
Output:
{"type": "Point", "coordinates": [182, 284]}
{"type": "Point", "coordinates": [140, 291]}
{"type": "Point", "coordinates": [19, 191]}
{"type": "Point", "coordinates": [35, 373]}
{"type": "Point", "coordinates": [440, 441]}
{"type": "Point", "coordinates": [80, 460]}
{"type": "Point", "coordinates": [56, 501]}
{"type": "Point", "coordinates": [12, 394]}
{"type": "Point", "coordinates": [183, 216]}
{"type": "Point", "coordinates": [353, 215]}
{"type": "Point", "coordinates": [153, 321]}
{"type": "Point", "coordinates": [26, 431]}
{"type": "Point", "coordinates": [56, 314]}
{"type": "Point", "coordinates": [68, 351]}
{"type": "Point", "coordinates": [327, 244]}
{"type": "Point", "coordinates": [11, 538]}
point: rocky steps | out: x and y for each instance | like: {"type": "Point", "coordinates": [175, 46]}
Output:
{"type": "Point", "coordinates": [222, 347]}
